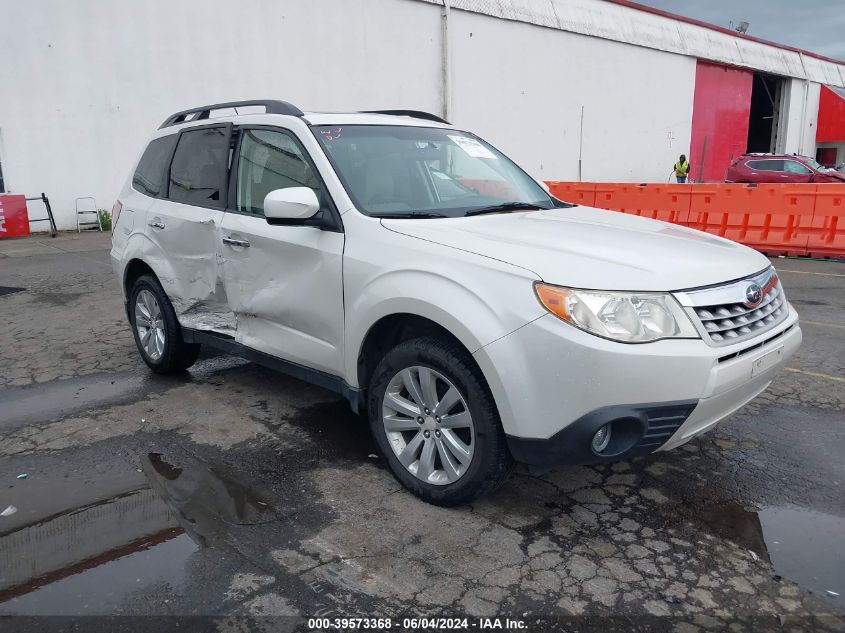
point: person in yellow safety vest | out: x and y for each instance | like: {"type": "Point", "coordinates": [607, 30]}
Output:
{"type": "Point", "coordinates": [682, 169]}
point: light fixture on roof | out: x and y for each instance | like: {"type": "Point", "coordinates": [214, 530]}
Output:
{"type": "Point", "coordinates": [742, 27]}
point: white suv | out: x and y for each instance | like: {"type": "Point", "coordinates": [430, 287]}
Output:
{"type": "Point", "coordinates": [415, 269]}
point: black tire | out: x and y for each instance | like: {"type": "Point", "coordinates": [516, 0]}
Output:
{"type": "Point", "coordinates": [177, 355]}
{"type": "Point", "coordinates": [491, 460]}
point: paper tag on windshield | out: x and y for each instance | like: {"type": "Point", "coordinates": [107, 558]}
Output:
{"type": "Point", "coordinates": [471, 146]}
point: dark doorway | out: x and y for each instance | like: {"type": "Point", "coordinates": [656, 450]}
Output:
{"type": "Point", "coordinates": [763, 119]}
{"type": "Point", "coordinates": [826, 156]}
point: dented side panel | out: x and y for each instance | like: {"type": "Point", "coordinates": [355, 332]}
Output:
{"type": "Point", "coordinates": [286, 290]}
{"type": "Point", "coordinates": [188, 237]}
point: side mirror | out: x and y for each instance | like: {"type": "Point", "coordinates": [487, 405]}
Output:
{"type": "Point", "coordinates": [292, 203]}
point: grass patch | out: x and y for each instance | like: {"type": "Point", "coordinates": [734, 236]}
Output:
{"type": "Point", "coordinates": [105, 219]}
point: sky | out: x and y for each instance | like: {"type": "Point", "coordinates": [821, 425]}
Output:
{"type": "Point", "coordinates": [814, 25]}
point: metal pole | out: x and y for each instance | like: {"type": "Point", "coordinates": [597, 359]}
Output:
{"type": "Point", "coordinates": [803, 121]}
{"type": "Point", "coordinates": [53, 230]}
{"type": "Point", "coordinates": [446, 69]}
{"type": "Point", "coordinates": [580, 144]}
{"type": "Point", "coordinates": [701, 162]}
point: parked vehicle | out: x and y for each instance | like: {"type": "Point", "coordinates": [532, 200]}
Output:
{"type": "Point", "coordinates": [785, 168]}
{"type": "Point", "coordinates": [412, 267]}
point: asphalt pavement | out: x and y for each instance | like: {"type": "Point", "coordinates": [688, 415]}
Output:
{"type": "Point", "coordinates": [239, 493]}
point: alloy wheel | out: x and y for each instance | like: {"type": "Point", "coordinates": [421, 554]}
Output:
{"type": "Point", "coordinates": [149, 323]}
{"type": "Point", "coordinates": [428, 425]}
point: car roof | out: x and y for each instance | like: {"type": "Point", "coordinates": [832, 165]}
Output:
{"type": "Point", "coordinates": [283, 112]}
{"type": "Point", "coordinates": [310, 118]}
{"type": "Point", "coordinates": [370, 118]}
{"type": "Point", "coordinates": [762, 155]}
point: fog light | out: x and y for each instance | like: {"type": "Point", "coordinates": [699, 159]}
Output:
{"type": "Point", "coordinates": [601, 439]}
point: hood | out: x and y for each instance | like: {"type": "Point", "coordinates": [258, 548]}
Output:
{"type": "Point", "coordinates": [836, 175]}
{"type": "Point", "coordinates": [583, 247]}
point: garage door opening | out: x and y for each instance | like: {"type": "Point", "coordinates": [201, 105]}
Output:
{"type": "Point", "coordinates": [765, 108]}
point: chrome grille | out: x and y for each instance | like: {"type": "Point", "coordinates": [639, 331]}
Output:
{"type": "Point", "coordinates": [727, 322]}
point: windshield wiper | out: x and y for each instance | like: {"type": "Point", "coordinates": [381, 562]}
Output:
{"type": "Point", "coordinates": [408, 214]}
{"type": "Point", "coordinates": [504, 208]}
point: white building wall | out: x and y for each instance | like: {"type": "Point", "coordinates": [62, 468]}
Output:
{"type": "Point", "coordinates": [620, 23]}
{"type": "Point", "coordinates": [83, 83]}
{"type": "Point", "coordinates": [799, 115]}
{"type": "Point", "coordinates": [637, 101]}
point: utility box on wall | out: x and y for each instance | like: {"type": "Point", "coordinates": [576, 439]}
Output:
{"type": "Point", "coordinates": [14, 220]}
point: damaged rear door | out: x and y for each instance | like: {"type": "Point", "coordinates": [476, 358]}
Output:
{"type": "Point", "coordinates": [184, 227]}
{"type": "Point", "coordinates": [284, 283]}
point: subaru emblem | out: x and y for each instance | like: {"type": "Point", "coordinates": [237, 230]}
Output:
{"type": "Point", "coordinates": [753, 296]}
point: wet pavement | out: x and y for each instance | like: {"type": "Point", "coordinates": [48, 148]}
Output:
{"type": "Point", "coordinates": [237, 492]}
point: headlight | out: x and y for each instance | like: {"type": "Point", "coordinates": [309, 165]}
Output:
{"type": "Point", "coordinates": [629, 317]}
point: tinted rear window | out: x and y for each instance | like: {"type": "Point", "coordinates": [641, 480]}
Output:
{"type": "Point", "coordinates": [149, 176]}
{"type": "Point", "coordinates": [766, 165]}
{"type": "Point", "coordinates": [199, 167]}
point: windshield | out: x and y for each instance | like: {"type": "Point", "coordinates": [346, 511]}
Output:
{"type": "Point", "coordinates": [812, 163]}
{"type": "Point", "coordinates": [419, 171]}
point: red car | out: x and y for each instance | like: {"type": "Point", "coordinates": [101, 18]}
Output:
{"type": "Point", "coordinates": [786, 168]}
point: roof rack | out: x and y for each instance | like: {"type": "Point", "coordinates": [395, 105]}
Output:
{"type": "Point", "coordinates": [417, 114]}
{"type": "Point", "coordinates": [203, 112]}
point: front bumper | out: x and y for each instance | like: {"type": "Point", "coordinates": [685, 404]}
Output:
{"type": "Point", "coordinates": [650, 426]}
{"type": "Point", "coordinates": [555, 386]}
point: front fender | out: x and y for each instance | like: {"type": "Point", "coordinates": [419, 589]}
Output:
{"type": "Point", "coordinates": [475, 304]}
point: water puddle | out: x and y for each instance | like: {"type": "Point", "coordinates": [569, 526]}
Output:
{"type": "Point", "coordinates": [804, 546]}
{"type": "Point", "coordinates": [103, 587]}
{"type": "Point", "coordinates": [51, 400]}
{"type": "Point", "coordinates": [68, 556]}
{"type": "Point", "coordinates": [59, 398]}
{"type": "Point", "coordinates": [90, 545]}
{"type": "Point", "coordinates": [207, 499]}
{"type": "Point", "coordinates": [807, 547]}
{"type": "Point", "coordinates": [8, 290]}
{"type": "Point", "coordinates": [336, 431]}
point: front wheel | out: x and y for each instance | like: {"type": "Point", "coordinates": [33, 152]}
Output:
{"type": "Point", "coordinates": [156, 328]}
{"type": "Point", "coordinates": [435, 422]}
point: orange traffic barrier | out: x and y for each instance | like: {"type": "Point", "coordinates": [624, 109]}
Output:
{"type": "Point", "coordinates": [669, 203]}
{"type": "Point", "coordinates": [606, 195]}
{"type": "Point", "coordinates": [777, 219]}
{"type": "Point", "coordinates": [576, 192]}
{"type": "Point", "coordinates": [827, 237]}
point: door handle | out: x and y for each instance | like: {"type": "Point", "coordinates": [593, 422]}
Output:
{"type": "Point", "coordinates": [156, 224]}
{"type": "Point", "coordinates": [234, 242]}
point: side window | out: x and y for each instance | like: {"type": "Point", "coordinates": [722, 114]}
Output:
{"type": "Point", "coordinates": [794, 167]}
{"type": "Point", "coordinates": [766, 165]}
{"type": "Point", "coordinates": [270, 160]}
{"type": "Point", "coordinates": [198, 171]}
{"type": "Point", "coordinates": [149, 175]}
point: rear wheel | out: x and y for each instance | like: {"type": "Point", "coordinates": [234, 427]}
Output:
{"type": "Point", "coordinates": [156, 328]}
{"type": "Point", "coordinates": [433, 417]}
